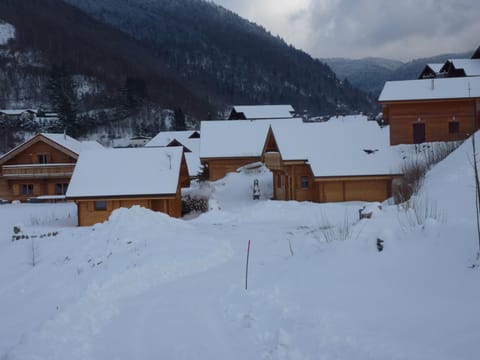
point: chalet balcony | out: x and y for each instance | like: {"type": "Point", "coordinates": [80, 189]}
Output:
{"type": "Point", "coordinates": [272, 160]}
{"type": "Point", "coordinates": [37, 171]}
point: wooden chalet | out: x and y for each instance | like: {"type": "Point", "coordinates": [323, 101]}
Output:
{"type": "Point", "coordinates": [430, 71]}
{"type": "Point", "coordinates": [460, 68]}
{"type": "Point", "coordinates": [345, 159]}
{"type": "Point", "coordinates": [444, 109]}
{"type": "Point", "coordinates": [107, 180]}
{"type": "Point", "coordinates": [228, 145]}
{"type": "Point", "coordinates": [261, 112]}
{"type": "Point", "coordinates": [189, 140]}
{"type": "Point", "coordinates": [40, 167]}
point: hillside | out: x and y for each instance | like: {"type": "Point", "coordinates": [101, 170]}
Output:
{"type": "Point", "coordinates": [59, 34]}
{"type": "Point", "coordinates": [370, 74]}
{"type": "Point", "coordinates": [231, 60]}
{"type": "Point", "coordinates": [187, 54]}
{"type": "Point", "coordinates": [146, 286]}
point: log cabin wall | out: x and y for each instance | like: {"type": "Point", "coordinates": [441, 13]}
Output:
{"type": "Point", "coordinates": [41, 173]}
{"type": "Point", "coordinates": [35, 187]}
{"type": "Point", "coordinates": [5, 192]}
{"type": "Point", "coordinates": [88, 215]}
{"type": "Point", "coordinates": [293, 182]}
{"type": "Point", "coordinates": [437, 117]}
{"type": "Point", "coordinates": [296, 182]}
{"type": "Point", "coordinates": [218, 168]}
{"type": "Point", "coordinates": [353, 189]}
{"type": "Point", "coordinates": [31, 155]}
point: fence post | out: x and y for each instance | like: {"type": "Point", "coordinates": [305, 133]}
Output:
{"type": "Point", "coordinates": [246, 267]}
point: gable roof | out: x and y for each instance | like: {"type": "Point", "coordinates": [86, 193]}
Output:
{"type": "Point", "coordinates": [61, 142]}
{"type": "Point", "coordinates": [189, 139]}
{"type": "Point", "coordinates": [471, 67]}
{"type": "Point", "coordinates": [126, 172]}
{"type": "Point", "coordinates": [265, 111]}
{"type": "Point", "coordinates": [337, 147]}
{"type": "Point", "coordinates": [431, 89]}
{"type": "Point", "coordinates": [236, 138]}
{"type": "Point", "coordinates": [430, 70]}
{"type": "Point", "coordinates": [164, 138]}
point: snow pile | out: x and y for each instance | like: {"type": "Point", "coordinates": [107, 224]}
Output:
{"type": "Point", "coordinates": [146, 286]}
{"type": "Point", "coordinates": [7, 32]}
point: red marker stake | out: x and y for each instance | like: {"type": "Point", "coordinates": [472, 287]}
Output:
{"type": "Point", "coordinates": [246, 268]}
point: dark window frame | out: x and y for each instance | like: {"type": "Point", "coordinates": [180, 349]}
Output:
{"type": "Point", "coordinates": [304, 182]}
{"type": "Point", "coordinates": [100, 205]}
{"type": "Point", "coordinates": [27, 189]}
{"type": "Point", "coordinates": [43, 158]}
{"type": "Point", "coordinates": [453, 127]}
{"type": "Point", "coordinates": [61, 188]}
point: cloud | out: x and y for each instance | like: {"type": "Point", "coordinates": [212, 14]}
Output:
{"type": "Point", "coordinates": [359, 28]}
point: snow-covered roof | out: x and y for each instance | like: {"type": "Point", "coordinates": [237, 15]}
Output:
{"type": "Point", "coordinates": [126, 172]}
{"type": "Point", "coordinates": [16, 112]}
{"type": "Point", "coordinates": [431, 89]}
{"type": "Point", "coordinates": [65, 141]}
{"type": "Point", "coordinates": [236, 138]}
{"type": "Point", "coordinates": [470, 66]}
{"type": "Point", "coordinates": [192, 158]}
{"type": "Point", "coordinates": [266, 111]}
{"type": "Point", "coordinates": [344, 146]}
{"type": "Point", "coordinates": [164, 138]}
{"type": "Point", "coordinates": [435, 67]}
{"type": "Point", "coordinates": [73, 144]}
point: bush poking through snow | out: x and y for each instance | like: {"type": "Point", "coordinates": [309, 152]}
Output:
{"type": "Point", "coordinates": [417, 211]}
{"type": "Point", "coordinates": [194, 204]}
{"type": "Point", "coordinates": [331, 232]}
{"type": "Point", "coordinates": [414, 170]}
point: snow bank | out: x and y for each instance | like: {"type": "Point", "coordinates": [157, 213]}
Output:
{"type": "Point", "coordinates": [146, 286]}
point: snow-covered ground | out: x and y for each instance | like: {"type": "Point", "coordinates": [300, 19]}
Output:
{"type": "Point", "coordinates": [7, 32]}
{"type": "Point", "coordinates": [146, 286]}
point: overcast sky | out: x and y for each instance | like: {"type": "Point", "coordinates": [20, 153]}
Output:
{"type": "Point", "coordinates": [403, 30]}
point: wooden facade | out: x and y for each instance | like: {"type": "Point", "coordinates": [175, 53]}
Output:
{"type": "Point", "coordinates": [294, 180]}
{"type": "Point", "coordinates": [96, 210]}
{"type": "Point", "coordinates": [431, 120]}
{"type": "Point", "coordinates": [39, 167]}
{"type": "Point", "coordinates": [219, 167]}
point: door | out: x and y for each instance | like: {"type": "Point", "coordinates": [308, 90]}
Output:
{"type": "Point", "coordinates": [418, 133]}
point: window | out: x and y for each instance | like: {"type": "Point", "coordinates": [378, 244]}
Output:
{"type": "Point", "coordinates": [27, 189]}
{"type": "Point", "coordinates": [42, 158]}
{"type": "Point", "coordinates": [304, 182]}
{"type": "Point", "coordinates": [100, 205]}
{"type": "Point", "coordinates": [453, 127]}
{"type": "Point", "coordinates": [61, 189]}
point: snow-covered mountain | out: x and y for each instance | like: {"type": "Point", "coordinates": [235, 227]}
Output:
{"type": "Point", "coordinates": [370, 74]}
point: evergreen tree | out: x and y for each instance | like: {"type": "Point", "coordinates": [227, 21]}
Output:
{"type": "Point", "coordinates": [61, 94]}
{"type": "Point", "coordinates": [135, 94]}
{"type": "Point", "coordinates": [180, 124]}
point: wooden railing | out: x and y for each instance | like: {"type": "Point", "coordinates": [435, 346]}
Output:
{"type": "Point", "coordinates": [272, 160]}
{"type": "Point", "coordinates": [30, 171]}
